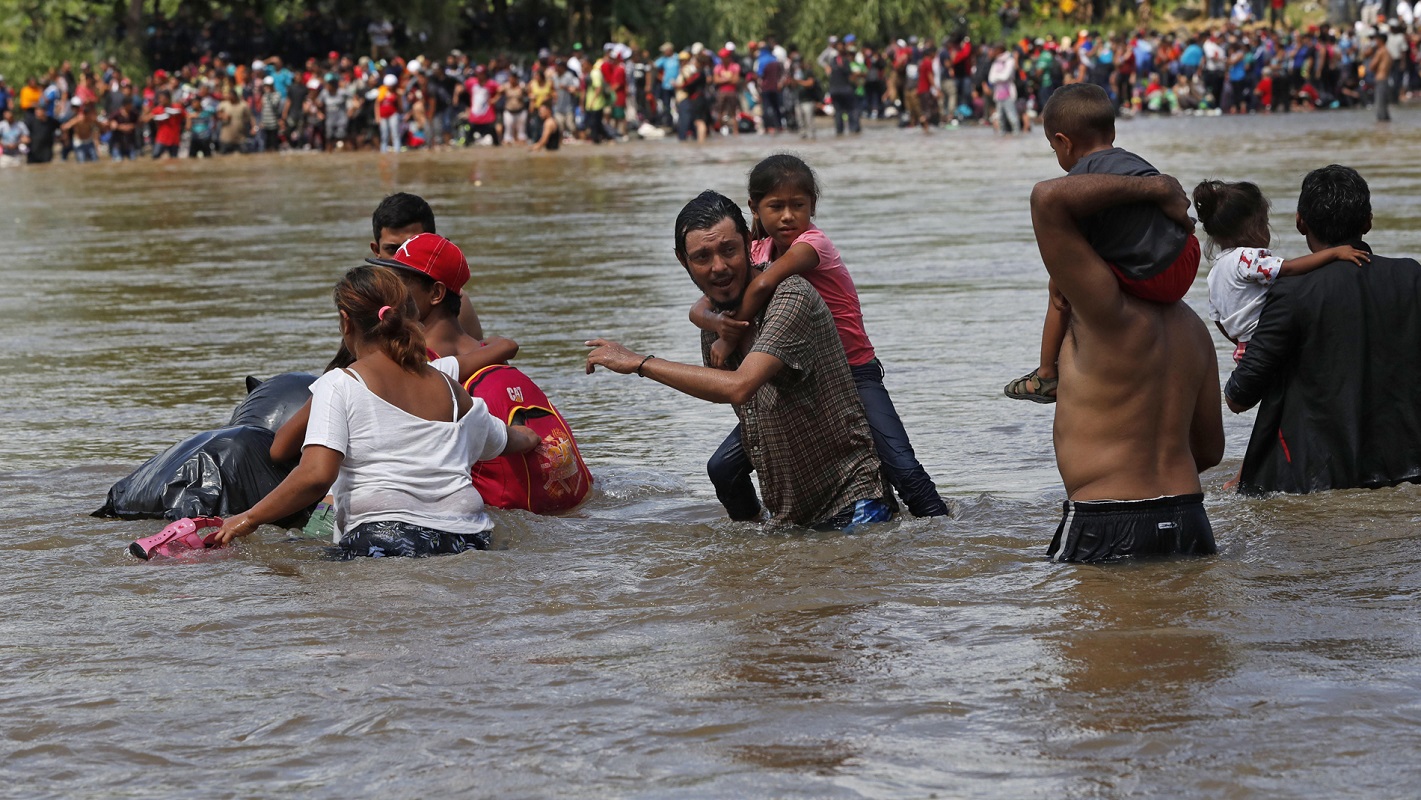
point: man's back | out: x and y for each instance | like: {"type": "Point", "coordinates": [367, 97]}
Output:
{"type": "Point", "coordinates": [1128, 400]}
{"type": "Point", "coordinates": [1137, 408]}
{"type": "Point", "coordinates": [1331, 363]}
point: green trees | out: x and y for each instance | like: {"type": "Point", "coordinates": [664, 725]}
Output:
{"type": "Point", "coordinates": [35, 34]}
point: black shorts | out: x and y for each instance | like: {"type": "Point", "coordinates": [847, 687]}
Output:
{"type": "Point", "coordinates": [1107, 530]}
{"type": "Point", "coordinates": [385, 538]}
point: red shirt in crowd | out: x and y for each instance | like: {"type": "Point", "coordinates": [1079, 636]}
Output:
{"type": "Point", "coordinates": [171, 121]}
{"type": "Point", "coordinates": [925, 75]}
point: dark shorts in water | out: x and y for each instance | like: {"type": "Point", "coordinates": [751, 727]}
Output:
{"type": "Point", "coordinates": [1106, 530]}
{"type": "Point", "coordinates": [394, 538]}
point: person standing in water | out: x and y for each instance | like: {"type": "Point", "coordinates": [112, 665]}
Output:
{"type": "Point", "coordinates": [783, 195]}
{"type": "Point", "coordinates": [1329, 361]}
{"type": "Point", "coordinates": [804, 428]}
{"type": "Point", "coordinates": [1138, 412]}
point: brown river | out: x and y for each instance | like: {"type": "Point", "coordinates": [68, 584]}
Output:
{"type": "Point", "coordinates": [644, 646]}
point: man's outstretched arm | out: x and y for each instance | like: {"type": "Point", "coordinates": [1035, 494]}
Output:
{"type": "Point", "coordinates": [1058, 206]}
{"type": "Point", "coordinates": [714, 385]}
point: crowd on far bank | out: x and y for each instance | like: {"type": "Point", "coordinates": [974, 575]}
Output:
{"type": "Point", "coordinates": [343, 101]}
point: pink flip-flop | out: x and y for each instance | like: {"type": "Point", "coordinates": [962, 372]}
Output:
{"type": "Point", "coordinates": [178, 538]}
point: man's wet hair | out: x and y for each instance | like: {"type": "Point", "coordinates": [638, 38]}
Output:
{"type": "Point", "coordinates": [705, 212]}
{"type": "Point", "coordinates": [1082, 111]}
{"type": "Point", "coordinates": [401, 210]}
{"type": "Point", "coordinates": [1335, 204]}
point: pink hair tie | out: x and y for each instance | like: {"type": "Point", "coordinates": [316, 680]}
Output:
{"type": "Point", "coordinates": [380, 315]}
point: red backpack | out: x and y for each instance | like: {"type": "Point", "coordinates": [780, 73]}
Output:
{"type": "Point", "coordinates": [552, 479]}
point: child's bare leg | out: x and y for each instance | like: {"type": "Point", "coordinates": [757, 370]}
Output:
{"type": "Point", "coordinates": [1053, 333]}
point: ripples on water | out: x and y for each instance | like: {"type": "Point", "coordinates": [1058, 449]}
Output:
{"type": "Point", "coordinates": [646, 647]}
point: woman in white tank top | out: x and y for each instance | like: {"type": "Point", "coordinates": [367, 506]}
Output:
{"type": "Point", "coordinates": [395, 435]}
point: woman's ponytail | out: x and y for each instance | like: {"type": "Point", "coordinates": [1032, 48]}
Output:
{"type": "Point", "coordinates": [377, 304]}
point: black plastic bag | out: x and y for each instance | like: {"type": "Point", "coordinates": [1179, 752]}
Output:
{"type": "Point", "coordinates": [270, 403]}
{"type": "Point", "coordinates": [220, 472]}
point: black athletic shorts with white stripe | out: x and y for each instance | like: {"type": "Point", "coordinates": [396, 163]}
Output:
{"type": "Point", "coordinates": [1108, 530]}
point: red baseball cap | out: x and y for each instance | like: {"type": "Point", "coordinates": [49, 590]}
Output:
{"type": "Point", "coordinates": [433, 256]}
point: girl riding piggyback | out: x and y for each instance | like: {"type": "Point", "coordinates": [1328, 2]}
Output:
{"type": "Point", "coordinates": [783, 195]}
{"type": "Point", "coordinates": [1235, 215]}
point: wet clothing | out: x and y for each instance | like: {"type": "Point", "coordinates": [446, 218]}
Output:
{"type": "Point", "coordinates": [1168, 286]}
{"type": "Point", "coordinates": [863, 512]}
{"type": "Point", "coordinates": [1109, 530]}
{"type": "Point", "coordinates": [398, 466]}
{"type": "Point", "coordinates": [805, 430]}
{"type": "Point", "coordinates": [1138, 240]}
{"type": "Point", "coordinates": [391, 537]}
{"type": "Point", "coordinates": [1332, 367]}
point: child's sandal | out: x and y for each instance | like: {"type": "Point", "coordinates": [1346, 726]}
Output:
{"type": "Point", "coordinates": [1032, 387]}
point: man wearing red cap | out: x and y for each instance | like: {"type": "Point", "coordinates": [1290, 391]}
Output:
{"type": "Point", "coordinates": [435, 271]}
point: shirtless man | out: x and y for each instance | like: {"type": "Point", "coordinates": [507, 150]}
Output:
{"type": "Point", "coordinates": [1138, 412]}
{"type": "Point", "coordinates": [1379, 70]}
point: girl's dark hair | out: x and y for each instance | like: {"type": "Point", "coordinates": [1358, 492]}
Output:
{"type": "Point", "coordinates": [777, 172]}
{"type": "Point", "coordinates": [1233, 214]}
{"type": "Point", "coordinates": [362, 293]}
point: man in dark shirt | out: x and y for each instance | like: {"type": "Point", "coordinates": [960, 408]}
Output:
{"type": "Point", "coordinates": [43, 129]}
{"type": "Point", "coordinates": [841, 90]}
{"type": "Point", "coordinates": [804, 426]}
{"type": "Point", "coordinates": [1330, 363]}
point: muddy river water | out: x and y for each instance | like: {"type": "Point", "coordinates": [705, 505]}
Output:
{"type": "Point", "coordinates": [644, 646]}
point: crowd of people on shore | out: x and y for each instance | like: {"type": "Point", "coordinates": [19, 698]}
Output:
{"type": "Point", "coordinates": [216, 105]}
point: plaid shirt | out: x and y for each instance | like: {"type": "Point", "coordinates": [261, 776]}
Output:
{"type": "Point", "coordinates": [805, 430]}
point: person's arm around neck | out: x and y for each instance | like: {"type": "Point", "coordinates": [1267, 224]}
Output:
{"type": "Point", "coordinates": [713, 385]}
{"type": "Point", "coordinates": [1305, 264]}
{"type": "Point", "coordinates": [1058, 205]}
{"type": "Point", "coordinates": [798, 259]}
{"type": "Point", "coordinates": [496, 350]}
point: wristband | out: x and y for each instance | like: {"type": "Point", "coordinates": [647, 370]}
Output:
{"type": "Point", "coordinates": [642, 364]}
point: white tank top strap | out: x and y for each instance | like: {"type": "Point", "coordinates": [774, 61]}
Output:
{"type": "Point", "coordinates": [453, 397]}
{"type": "Point", "coordinates": [356, 375]}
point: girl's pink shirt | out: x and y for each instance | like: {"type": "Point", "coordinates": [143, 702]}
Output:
{"type": "Point", "coordinates": [832, 281]}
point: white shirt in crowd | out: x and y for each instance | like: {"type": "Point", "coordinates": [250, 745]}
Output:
{"type": "Point", "coordinates": [1238, 285]}
{"type": "Point", "coordinates": [1214, 56]}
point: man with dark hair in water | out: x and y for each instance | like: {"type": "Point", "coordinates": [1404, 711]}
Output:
{"type": "Point", "coordinates": [401, 217]}
{"type": "Point", "coordinates": [1332, 361]}
{"type": "Point", "coordinates": [790, 384]}
{"type": "Point", "coordinates": [1137, 410]}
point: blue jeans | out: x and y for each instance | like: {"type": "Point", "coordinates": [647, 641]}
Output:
{"type": "Point", "coordinates": [85, 152]}
{"type": "Point", "coordinates": [730, 467]}
{"type": "Point", "coordinates": [390, 134]}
